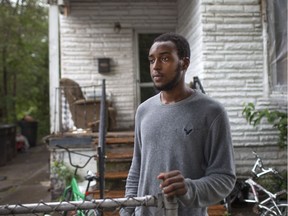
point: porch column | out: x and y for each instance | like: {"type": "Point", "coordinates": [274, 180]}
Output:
{"type": "Point", "coordinates": [54, 65]}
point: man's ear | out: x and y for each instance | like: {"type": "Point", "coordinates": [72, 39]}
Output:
{"type": "Point", "coordinates": [185, 63]}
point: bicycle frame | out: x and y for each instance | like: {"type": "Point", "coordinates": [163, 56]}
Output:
{"type": "Point", "coordinates": [263, 204]}
{"type": "Point", "coordinates": [77, 195]}
{"type": "Point", "coordinates": [271, 198]}
{"type": "Point", "coordinates": [72, 191]}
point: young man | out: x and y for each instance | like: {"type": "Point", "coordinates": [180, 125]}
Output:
{"type": "Point", "coordinates": [183, 144]}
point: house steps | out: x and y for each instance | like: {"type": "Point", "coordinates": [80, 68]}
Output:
{"type": "Point", "coordinates": [118, 158]}
{"type": "Point", "coordinates": [116, 175]}
{"type": "Point", "coordinates": [119, 153]}
{"type": "Point", "coordinates": [109, 194]}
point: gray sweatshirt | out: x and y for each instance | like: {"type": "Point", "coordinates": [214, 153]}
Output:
{"type": "Point", "coordinates": [193, 136]}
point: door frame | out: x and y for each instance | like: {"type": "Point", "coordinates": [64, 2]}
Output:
{"type": "Point", "coordinates": [137, 64]}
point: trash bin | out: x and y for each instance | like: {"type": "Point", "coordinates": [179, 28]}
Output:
{"type": "Point", "coordinates": [3, 147]}
{"type": "Point", "coordinates": [29, 130]}
{"type": "Point", "coordinates": [7, 143]}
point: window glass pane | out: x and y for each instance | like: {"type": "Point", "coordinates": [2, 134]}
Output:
{"type": "Point", "coordinates": [147, 92]}
{"type": "Point", "coordinates": [277, 30]}
{"type": "Point", "coordinates": [145, 42]}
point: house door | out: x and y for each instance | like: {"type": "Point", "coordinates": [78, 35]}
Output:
{"type": "Point", "coordinates": [146, 86]}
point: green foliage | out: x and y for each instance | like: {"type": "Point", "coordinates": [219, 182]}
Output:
{"type": "Point", "coordinates": [24, 62]}
{"type": "Point", "coordinates": [62, 171]}
{"type": "Point", "coordinates": [274, 183]}
{"type": "Point", "coordinates": [276, 118]}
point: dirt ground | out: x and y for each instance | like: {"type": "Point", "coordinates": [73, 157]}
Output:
{"type": "Point", "coordinates": [243, 209]}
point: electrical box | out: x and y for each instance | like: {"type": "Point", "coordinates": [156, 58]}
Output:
{"type": "Point", "coordinates": [104, 65]}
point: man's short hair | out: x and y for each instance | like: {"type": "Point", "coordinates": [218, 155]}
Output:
{"type": "Point", "coordinates": [182, 45]}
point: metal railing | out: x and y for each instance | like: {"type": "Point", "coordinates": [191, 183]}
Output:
{"type": "Point", "coordinates": [168, 206]}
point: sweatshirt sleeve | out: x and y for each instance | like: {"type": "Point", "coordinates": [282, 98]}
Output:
{"type": "Point", "coordinates": [220, 176]}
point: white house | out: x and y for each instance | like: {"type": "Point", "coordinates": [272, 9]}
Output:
{"type": "Point", "coordinates": [238, 50]}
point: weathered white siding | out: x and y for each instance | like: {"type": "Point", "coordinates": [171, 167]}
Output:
{"type": "Point", "coordinates": [226, 42]}
{"type": "Point", "coordinates": [88, 33]}
{"type": "Point", "coordinates": [227, 54]}
{"type": "Point", "coordinates": [190, 25]}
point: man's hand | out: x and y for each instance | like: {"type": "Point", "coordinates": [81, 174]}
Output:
{"type": "Point", "coordinates": [173, 183]}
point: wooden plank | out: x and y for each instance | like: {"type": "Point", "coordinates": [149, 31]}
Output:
{"type": "Point", "coordinates": [120, 140]}
{"type": "Point", "coordinates": [116, 175]}
{"type": "Point", "coordinates": [120, 134]}
{"type": "Point", "coordinates": [217, 210]}
{"type": "Point", "coordinates": [109, 194]}
{"type": "Point", "coordinates": [126, 155]}
{"type": "Point", "coordinates": [116, 134]}
{"type": "Point", "coordinates": [126, 137]}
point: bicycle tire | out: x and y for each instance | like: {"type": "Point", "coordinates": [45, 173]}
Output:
{"type": "Point", "coordinates": [283, 207]}
{"type": "Point", "coordinates": [68, 195]}
{"type": "Point", "coordinates": [67, 198]}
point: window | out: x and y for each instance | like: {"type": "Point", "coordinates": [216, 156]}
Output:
{"type": "Point", "coordinates": [147, 89]}
{"type": "Point", "coordinates": [277, 43]}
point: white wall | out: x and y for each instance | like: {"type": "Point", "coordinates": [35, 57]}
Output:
{"type": "Point", "coordinates": [190, 25]}
{"type": "Point", "coordinates": [88, 33]}
{"type": "Point", "coordinates": [227, 54]}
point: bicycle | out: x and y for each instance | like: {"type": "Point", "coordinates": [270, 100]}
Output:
{"type": "Point", "coordinates": [266, 202]}
{"type": "Point", "coordinates": [73, 192]}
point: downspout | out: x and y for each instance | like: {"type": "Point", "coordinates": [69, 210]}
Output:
{"type": "Point", "coordinates": [54, 65]}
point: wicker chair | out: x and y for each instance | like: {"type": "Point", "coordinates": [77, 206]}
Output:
{"type": "Point", "coordinates": [85, 112]}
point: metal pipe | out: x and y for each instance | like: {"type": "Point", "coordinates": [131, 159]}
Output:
{"type": "Point", "coordinates": [102, 136]}
{"type": "Point", "coordinates": [170, 206]}
{"type": "Point", "coordinates": [78, 205]}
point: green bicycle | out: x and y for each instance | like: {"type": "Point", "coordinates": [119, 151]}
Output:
{"type": "Point", "coordinates": [73, 193]}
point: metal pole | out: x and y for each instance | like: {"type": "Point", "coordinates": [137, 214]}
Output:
{"type": "Point", "coordinates": [101, 172]}
{"type": "Point", "coordinates": [102, 136]}
{"type": "Point", "coordinates": [78, 205]}
{"type": "Point", "coordinates": [170, 206]}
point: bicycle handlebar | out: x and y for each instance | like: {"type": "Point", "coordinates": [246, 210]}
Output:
{"type": "Point", "coordinates": [259, 164]}
{"type": "Point", "coordinates": [70, 160]}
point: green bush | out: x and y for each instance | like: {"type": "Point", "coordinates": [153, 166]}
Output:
{"type": "Point", "coordinates": [274, 183]}
{"type": "Point", "coordinates": [63, 172]}
{"type": "Point", "coordinates": [277, 118]}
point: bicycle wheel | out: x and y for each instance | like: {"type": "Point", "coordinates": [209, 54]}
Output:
{"type": "Point", "coordinates": [67, 194]}
{"type": "Point", "coordinates": [68, 197]}
{"type": "Point", "coordinates": [273, 211]}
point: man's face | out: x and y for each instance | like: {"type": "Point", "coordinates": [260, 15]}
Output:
{"type": "Point", "coordinates": [165, 65]}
